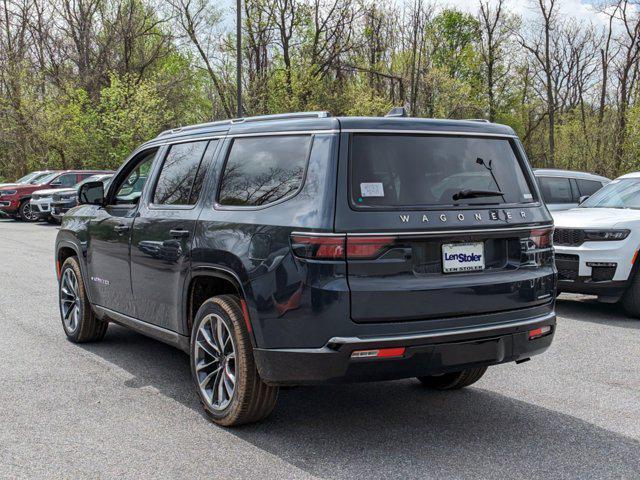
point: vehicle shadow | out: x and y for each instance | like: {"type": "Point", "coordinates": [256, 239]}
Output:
{"type": "Point", "coordinates": [397, 429]}
{"type": "Point", "coordinates": [587, 309]}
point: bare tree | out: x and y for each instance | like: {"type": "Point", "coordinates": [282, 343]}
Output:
{"type": "Point", "coordinates": [196, 18]}
{"type": "Point", "coordinates": [495, 34]}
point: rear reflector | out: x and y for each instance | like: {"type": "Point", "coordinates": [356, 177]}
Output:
{"type": "Point", "coordinates": [539, 332]}
{"type": "Point", "coordinates": [379, 353]}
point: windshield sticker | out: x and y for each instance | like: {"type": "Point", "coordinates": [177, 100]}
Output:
{"type": "Point", "coordinates": [372, 189]}
{"type": "Point", "coordinates": [527, 196]}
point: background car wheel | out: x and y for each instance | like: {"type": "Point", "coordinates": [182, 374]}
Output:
{"type": "Point", "coordinates": [631, 298]}
{"type": "Point", "coordinates": [454, 380]}
{"type": "Point", "coordinates": [78, 320]}
{"type": "Point", "coordinates": [223, 367]}
{"type": "Point", "coordinates": [27, 213]}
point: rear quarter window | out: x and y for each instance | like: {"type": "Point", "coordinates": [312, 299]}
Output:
{"type": "Point", "coordinates": [428, 170]}
{"type": "Point", "coordinates": [263, 170]}
{"type": "Point", "coordinates": [588, 187]}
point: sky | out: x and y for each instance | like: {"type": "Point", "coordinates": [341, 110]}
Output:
{"type": "Point", "coordinates": [579, 9]}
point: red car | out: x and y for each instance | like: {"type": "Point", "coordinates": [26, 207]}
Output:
{"type": "Point", "coordinates": [15, 198]}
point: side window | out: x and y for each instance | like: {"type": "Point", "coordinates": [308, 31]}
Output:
{"type": "Point", "coordinates": [588, 187]}
{"type": "Point", "coordinates": [555, 189]}
{"type": "Point", "coordinates": [66, 180]}
{"type": "Point", "coordinates": [263, 170]}
{"type": "Point", "coordinates": [129, 189]}
{"type": "Point", "coordinates": [180, 175]}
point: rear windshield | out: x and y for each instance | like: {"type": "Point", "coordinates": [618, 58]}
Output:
{"type": "Point", "coordinates": [419, 170]}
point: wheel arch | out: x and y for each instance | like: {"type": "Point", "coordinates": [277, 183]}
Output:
{"type": "Point", "coordinates": [207, 282]}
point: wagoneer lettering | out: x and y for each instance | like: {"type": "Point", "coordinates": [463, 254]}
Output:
{"type": "Point", "coordinates": [298, 249]}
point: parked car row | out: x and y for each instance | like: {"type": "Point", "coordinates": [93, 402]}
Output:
{"type": "Point", "coordinates": [31, 198]}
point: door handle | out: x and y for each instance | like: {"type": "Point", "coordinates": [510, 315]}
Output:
{"type": "Point", "coordinates": [121, 228]}
{"type": "Point", "coordinates": [178, 233]}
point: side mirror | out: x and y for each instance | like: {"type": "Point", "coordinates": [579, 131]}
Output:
{"type": "Point", "coordinates": [583, 198]}
{"type": "Point", "coordinates": [91, 193]}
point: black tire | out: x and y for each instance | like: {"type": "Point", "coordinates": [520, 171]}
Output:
{"type": "Point", "coordinates": [454, 380]}
{"type": "Point", "coordinates": [26, 213]}
{"type": "Point", "coordinates": [88, 327]}
{"type": "Point", "coordinates": [252, 400]}
{"type": "Point", "coordinates": [631, 298]}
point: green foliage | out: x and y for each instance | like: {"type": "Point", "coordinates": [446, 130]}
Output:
{"type": "Point", "coordinates": [144, 73]}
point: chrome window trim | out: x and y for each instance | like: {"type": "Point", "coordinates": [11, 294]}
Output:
{"type": "Point", "coordinates": [452, 232]}
{"type": "Point", "coordinates": [426, 232]}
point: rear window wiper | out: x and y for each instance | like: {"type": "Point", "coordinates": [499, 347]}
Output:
{"type": "Point", "coordinates": [470, 193]}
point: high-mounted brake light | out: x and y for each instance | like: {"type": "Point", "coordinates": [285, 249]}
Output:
{"type": "Point", "coordinates": [379, 353]}
{"type": "Point", "coordinates": [542, 237]}
{"type": "Point", "coordinates": [539, 332]}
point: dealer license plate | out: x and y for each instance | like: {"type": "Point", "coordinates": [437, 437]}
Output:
{"type": "Point", "coordinates": [462, 257]}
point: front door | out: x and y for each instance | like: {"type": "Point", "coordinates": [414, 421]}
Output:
{"type": "Point", "coordinates": [108, 249]}
{"type": "Point", "coordinates": [163, 231]}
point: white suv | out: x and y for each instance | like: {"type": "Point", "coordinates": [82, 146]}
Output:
{"type": "Point", "coordinates": [597, 244]}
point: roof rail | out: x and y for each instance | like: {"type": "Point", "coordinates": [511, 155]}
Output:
{"type": "Point", "coordinates": [283, 116]}
{"type": "Point", "coordinates": [483, 120]}
{"type": "Point", "coordinates": [258, 118]}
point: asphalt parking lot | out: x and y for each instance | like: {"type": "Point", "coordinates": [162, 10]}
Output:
{"type": "Point", "coordinates": [126, 407]}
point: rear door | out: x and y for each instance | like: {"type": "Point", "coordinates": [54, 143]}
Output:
{"type": "Point", "coordinates": [440, 227]}
{"type": "Point", "coordinates": [163, 231]}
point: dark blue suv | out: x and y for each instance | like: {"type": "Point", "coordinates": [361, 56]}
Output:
{"type": "Point", "coordinates": [304, 248]}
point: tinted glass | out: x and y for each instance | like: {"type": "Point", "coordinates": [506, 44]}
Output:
{"type": "Point", "coordinates": [202, 170]}
{"type": "Point", "coordinates": [623, 193]}
{"type": "Point", "coordinates": [129, 190]}
{"type": "Point", "coordinates": [556, 190]}
{"type": "Point", "coordinates": [67, 180]}
{"type": "Point", "coordinates": [178, 173]}
{"type": "Point", "coordinates": [588, 187]}
{"type": "Point", "coordinates": [262, 170]}
{"type": "Point", "coordinates": [413, 170]}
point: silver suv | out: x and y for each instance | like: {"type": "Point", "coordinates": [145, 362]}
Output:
{"type": "Point", "coordinates": [565, 189]}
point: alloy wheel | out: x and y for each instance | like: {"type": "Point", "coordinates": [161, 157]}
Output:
{"type": "Point", "coordinates": [29, 212]}
{"type": "Point", "coordinates": [70, 300]}
{"type": "Point", "coordinates": [215, 362]}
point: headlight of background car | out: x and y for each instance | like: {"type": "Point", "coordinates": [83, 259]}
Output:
{"type": "Point", "coordinates": [597, 235]}
{"type": "Point", "coordinates": [7, 193]}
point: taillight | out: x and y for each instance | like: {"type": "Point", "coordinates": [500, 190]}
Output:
{"type": "Point", "coordinates": [318, 247]}
{"type": "Point", "coordinates": [367, 247]}
{"type": "Point", "coordinates": [542, 237]}
{"type": "Point", "coordinates": [339, 247]}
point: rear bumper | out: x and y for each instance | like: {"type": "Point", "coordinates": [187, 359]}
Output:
{"type": "Point", "coordinates": [425, 354]}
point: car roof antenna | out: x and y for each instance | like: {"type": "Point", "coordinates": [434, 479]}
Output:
{"type": "Point", "coordinates": [397, 112]}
